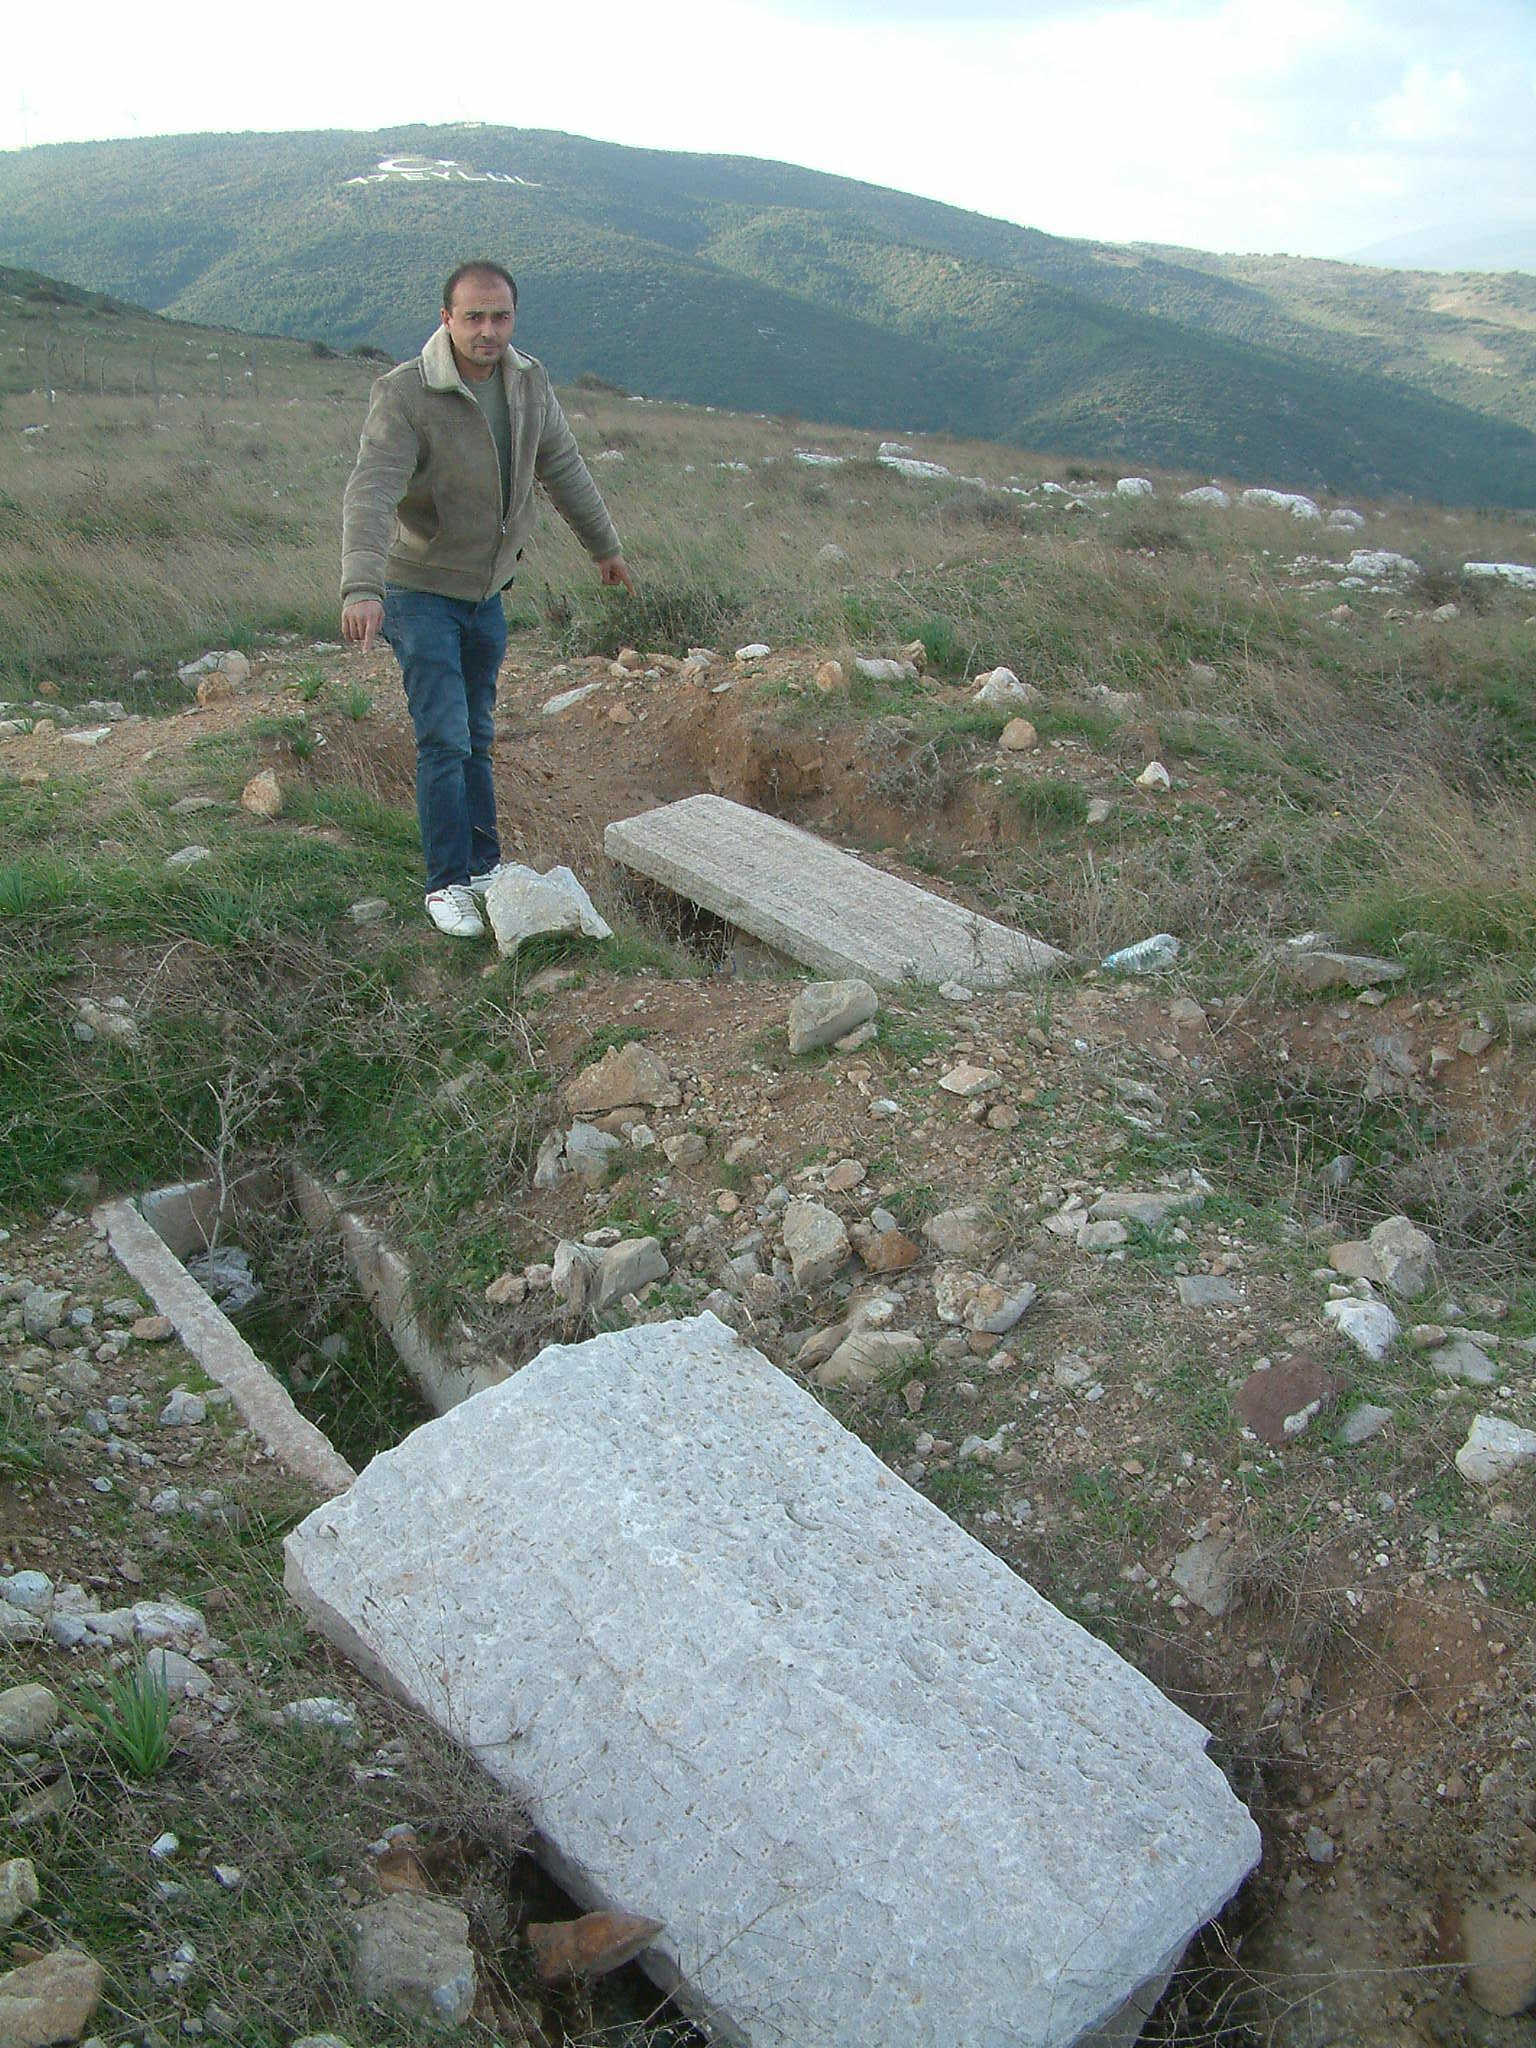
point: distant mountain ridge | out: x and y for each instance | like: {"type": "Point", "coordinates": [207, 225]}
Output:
{"type": "Point", "coordinates": [760, 286]}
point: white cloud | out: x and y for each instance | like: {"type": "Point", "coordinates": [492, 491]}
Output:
{"type": "Point", "coordinates": [1428, 106]}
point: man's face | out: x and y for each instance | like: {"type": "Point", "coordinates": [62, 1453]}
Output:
{"type": "Point", "coordinates": [479, 323]}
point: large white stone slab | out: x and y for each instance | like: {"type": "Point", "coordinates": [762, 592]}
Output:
{"type": "Point", "coordinates": [748, 1682]}
{"type": "Point", "coordinates": [816, 903]}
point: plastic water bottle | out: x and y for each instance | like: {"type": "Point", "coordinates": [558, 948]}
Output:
{"type": "Point", "coordinates": [1146, 956]}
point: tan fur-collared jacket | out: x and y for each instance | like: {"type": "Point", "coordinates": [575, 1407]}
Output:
{"type": "Point", "coordinates": [423, 504]}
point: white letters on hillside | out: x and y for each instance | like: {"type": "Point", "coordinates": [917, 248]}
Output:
{"type": "Point", "coordinates": [415, 170]}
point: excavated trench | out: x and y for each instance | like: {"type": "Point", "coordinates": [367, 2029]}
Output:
{"type": "Point", "coordinates": [328, 1367]}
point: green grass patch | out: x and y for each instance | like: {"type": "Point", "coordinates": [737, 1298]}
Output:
{"type": "Point", "coordinates": [130, 1717]}
{"type": "Point", "coordinates": [1044, 806]}
{"type": "Point", "coordinates": [1437, 930]}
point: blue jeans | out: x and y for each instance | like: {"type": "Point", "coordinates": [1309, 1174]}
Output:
{"type": "Point", "coordinates": [449, 651]}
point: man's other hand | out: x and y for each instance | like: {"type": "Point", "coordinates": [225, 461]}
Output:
{"type": "Point", "coordinates": [361, 622]}
{"type": "Point", "coordinates": [614, 569]}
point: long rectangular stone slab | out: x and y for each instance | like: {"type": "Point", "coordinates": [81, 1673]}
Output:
{"type": "Point", "coordinates": [265, 1406]}
{"type": "Point", "coordinates": [821, 906]}
{"type": "Point", "coordinates": [747, 1681]}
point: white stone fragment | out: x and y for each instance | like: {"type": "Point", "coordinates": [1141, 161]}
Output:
{"type": "Point", "coordinates": [1205, 494]}
{"type": "Point", "coordinates": [1369, 1325]}
{"type": "Point", "coordinates": [565, 699]}
{"type": "Point", "coordinates": [1135, 487]}
{"type": "Point", "coordinates": [1294, 502]}
{"type": "Point", "coordinates": [1383, 565]}
{"type": "Point", "coordinates": [745, 1680]}
{"type": "Point", "coordinates": [1002, 686]}
{"type": "Point", "coordinates": [1518, 573]}
{"type": "Point", "coordinates": [521, 902]}
{"type": "Point", "coordinates": [1494, 1448]}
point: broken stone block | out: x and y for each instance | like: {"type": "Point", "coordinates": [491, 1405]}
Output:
{"type": "Point", "coordinates": [744, 1680]}
{"type": "Point", "coordinates": [624, 1077]}
{"type": "Point", "coordinates": [825, 1011]}
{"type": "Point", "coordinates": [413, 1954]}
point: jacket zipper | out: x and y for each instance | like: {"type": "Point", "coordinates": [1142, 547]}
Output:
{"type": "Point", "coordinates": [496, 459]}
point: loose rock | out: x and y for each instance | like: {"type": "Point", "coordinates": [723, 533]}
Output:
{"type": "Point", "coordinates": [1362, 1423]}
{"type": "Point", "coordinates": [1498, 1945]}
{"type": "Point", "coordinates": [1369, 1325]}
{"type": "Point", "coordinates": [568, 1950]}
{"type": "Point", "coordinates": [825, 1011]}
{"type": "Point", "coordinates": [1405, 1255]}
{"type": "Point", "coordinates": [816, 1242]}
{"type": "Point", "coordinates": [1494, 1448]}
{"type": "Point", "coordinates": [625, 1076]}
{"type": "Point", "coordinates": [413, 1954]}
{"type": "Point", "coordinates": [18, 1889]}
{"type": "Point", "coordinates": [50, 2000]}
{"type": "Point", "coordinates": [867, 1356]}
{"type": "Point", "coordinates": [262, 796]}
{"type": "Point", "coordinates": [28, 1714]}
{"type": "Point", "coordinates": [1207, 1573]}
{"type": "Point", "coordinates": [963, 1233]}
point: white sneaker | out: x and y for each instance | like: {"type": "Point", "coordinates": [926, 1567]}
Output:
{"type": "Point", "coordinates": [454, 911]}
{"type": "Point", "coordinates": [478, 884]}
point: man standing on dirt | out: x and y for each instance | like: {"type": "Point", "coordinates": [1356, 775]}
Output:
{"type": "Point", "coordinates": [434, 521]}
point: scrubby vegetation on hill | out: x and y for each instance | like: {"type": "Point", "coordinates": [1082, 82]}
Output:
{"type": "Point", "coordinates": [759, 286]}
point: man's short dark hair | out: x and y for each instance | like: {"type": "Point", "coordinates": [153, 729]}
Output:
{"type": "Point", "coordinates": [478, 268]}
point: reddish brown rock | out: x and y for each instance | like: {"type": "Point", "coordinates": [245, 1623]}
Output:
{"type": "Point", "coordinates": [1280, 1401]}
{"type": "Point", "coordinates": [885, 1251]}
{"type": "Point", "coordinates": [590, 1946]}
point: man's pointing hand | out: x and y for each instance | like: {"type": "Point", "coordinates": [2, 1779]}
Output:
{"type": "Point", "coordinates": [614, 569]}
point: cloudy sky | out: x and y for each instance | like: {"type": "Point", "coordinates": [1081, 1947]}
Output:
{"type": "Point", "coordinates": [1319, 127]}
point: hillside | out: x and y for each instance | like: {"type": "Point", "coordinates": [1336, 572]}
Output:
{"type": "Point", "coordinates": [760, 286]}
